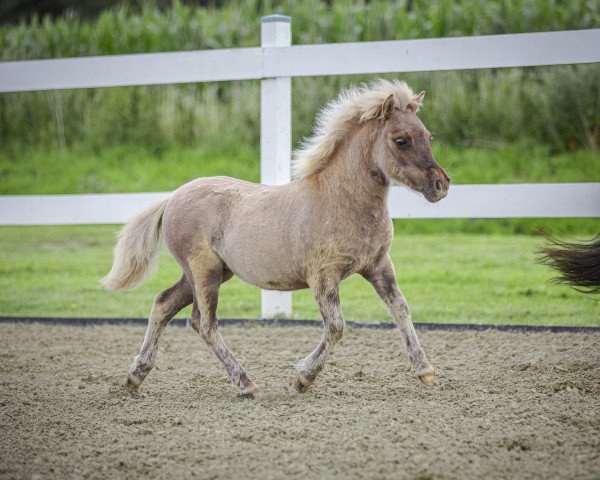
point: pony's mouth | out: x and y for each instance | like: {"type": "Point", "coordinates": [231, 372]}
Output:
{"type": "Point", "coordinates": [434, 196]}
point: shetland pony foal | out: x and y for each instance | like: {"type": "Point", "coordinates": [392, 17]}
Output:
{"type": "Point", "coordinates": [312, 233]}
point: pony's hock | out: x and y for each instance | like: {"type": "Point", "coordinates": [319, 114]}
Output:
{"type": "Point", "coordinates": [313, 232]}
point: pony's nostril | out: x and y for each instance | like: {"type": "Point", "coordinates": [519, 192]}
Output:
{"type": "Point", "coordinates": [438, 185]}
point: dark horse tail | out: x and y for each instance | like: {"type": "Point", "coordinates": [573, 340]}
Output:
{"type": "Point", "coordinates": [577, 263]}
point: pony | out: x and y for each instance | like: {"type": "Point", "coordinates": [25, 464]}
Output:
{"type": "Point", "coordinates": [330, 222]}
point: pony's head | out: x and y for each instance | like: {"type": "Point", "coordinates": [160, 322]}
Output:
{"type": "Point", "coordinates": [403, 151]}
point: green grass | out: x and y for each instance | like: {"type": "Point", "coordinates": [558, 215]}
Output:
{"type": "Point", "coordinates": [136, 168]}
{"type": "Point", "coordinates": [124, 168]}
{"type": "Point", "coordinates": [54, 271]}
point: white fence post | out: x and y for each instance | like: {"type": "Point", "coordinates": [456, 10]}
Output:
{"type": "Point", "coordinates": [275, 140]}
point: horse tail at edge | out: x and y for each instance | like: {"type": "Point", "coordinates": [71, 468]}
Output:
{"type": "Point", "coordinates": [136, 251]}
{"type": "Point", "coordinates": [577, 263]}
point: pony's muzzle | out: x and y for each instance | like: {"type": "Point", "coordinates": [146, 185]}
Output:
{"type": "Point", "coordinates": [439, 184]}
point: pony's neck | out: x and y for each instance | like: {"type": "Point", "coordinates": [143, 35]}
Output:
{"type": "Point", "coordinates": [351, 175]}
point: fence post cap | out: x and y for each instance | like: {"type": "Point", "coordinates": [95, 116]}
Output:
{"type": "Point", "coordinates": [276, 18]}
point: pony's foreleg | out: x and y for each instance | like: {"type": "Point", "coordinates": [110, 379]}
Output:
{"type": "Point", "coordinates": [208, 275]}
{"type": "Point", "coordinates": [328, 299]}
{"type": "Point", "coordinates": [166, 305]}
{"type": "Point", "coordinates": [383, 279]}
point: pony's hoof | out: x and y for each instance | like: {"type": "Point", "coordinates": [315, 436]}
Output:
{"type": "Point", "coordinates": [133, 381]}
{"type": "Point", "coordinates": [427, 378]}
{"type": "Point", "coordinates": [249, 392]}
{"type": "Point", "coordinates": [300, 383]}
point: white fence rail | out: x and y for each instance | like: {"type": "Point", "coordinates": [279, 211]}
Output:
{"type": "Point", "coordinates": [275, 62]}
{"type": "Point", "coordinates": [530, 200]}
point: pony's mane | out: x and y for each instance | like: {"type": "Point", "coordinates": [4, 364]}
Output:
{"type": "Point", "coordinates": [351, 107]}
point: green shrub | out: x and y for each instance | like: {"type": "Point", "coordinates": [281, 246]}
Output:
{"type": "Point", "coordinates": [556, 106]}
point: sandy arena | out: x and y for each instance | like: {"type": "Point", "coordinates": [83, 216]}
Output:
{"type": "Point", "coordinates": [507, 405]}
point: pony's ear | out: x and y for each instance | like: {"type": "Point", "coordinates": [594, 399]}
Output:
{"type": "Point", "coordinates": [415, 104]}
{"type": "Point", "coordinates": [388, 107]}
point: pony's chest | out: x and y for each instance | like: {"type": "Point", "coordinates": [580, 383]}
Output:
{"type": "Point", "coordinates": [366, 251]}
{"type": "Point", "coordinates": [349, 254]}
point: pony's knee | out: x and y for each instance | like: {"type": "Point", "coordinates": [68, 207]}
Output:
{"type": "Point", "coordinates": [207, 337]}
{"type": "Point", "coordinates": [335, 331]}
{"type": "Point", "coordinates": [388, 289]}
{"type": "Point", "coordinates": [400, 305]}
{"type": "Point", "coordinates": [208, 332]}
{"type": "Point", "coordinates": [196, 325]}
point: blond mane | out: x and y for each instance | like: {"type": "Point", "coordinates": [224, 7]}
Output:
{"type": "Point", "coordinates": [351, 107]}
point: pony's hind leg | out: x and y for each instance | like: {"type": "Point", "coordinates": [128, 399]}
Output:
{"type": "Point", "coordinates": [327, 296]}
{"type": "Point", "coordinates": [208, 274]}
{"type": "Point", "coordinates": [195, 322]}
{"type": "Point", "coordinates": [166, 305]}
{"type": "Point", "coordinates": [383, 279]}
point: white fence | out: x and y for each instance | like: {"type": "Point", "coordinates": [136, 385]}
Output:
{"type": "Point", "coordinates": [275, 62]}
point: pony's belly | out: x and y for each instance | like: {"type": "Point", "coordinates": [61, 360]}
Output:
{"type": "Point", "coordinates": [265, 269]}
{"type": "Point", "coordinates": [260, 255]}
{"type": "Point", "coordinates": [268, 281]}
{"type": "Point", "coordinates": [282, 285]}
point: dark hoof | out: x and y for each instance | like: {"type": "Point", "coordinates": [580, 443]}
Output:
{"type": "Point", "coordinates": [301, 383]}
{"type": "Point", "coordinates": [250, 392]}
{"type": "Point", "coordinates": [133, 382]}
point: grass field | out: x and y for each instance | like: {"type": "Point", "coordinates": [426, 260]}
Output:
{"type": "Point", "coordinates": [449, 278]}
{"type": "Point", "coordinates": [135, 168]}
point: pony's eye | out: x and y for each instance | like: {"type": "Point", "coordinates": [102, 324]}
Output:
{"type": "Point", "coordinates": [401, 142]}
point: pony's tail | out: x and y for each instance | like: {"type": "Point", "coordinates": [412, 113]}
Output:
{"type": "Point", "coordinates": [577, 263]}
{"type": "Point", "coordinates": [136, 249]}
